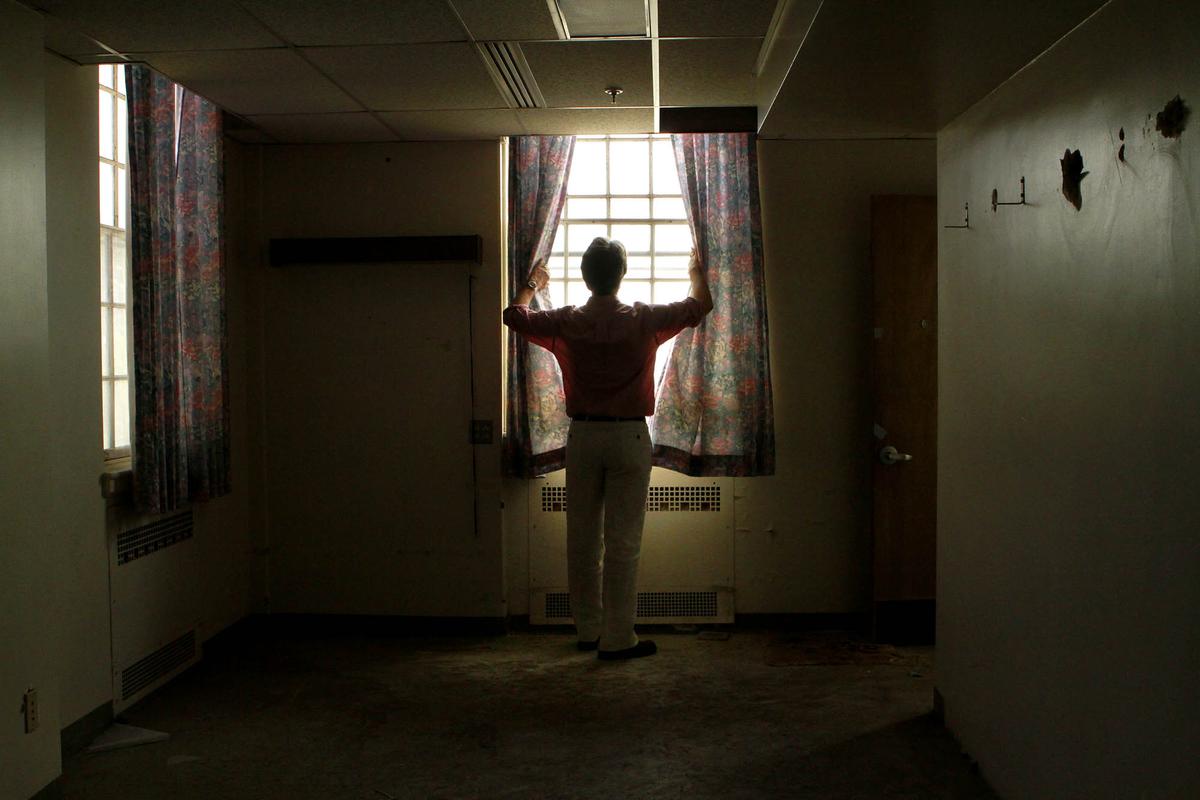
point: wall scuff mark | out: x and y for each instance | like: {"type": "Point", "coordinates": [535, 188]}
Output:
{"type": "Point", "coordinates": [1172, 120]}
{"type": "Point", "coordinates": [1073, 175]}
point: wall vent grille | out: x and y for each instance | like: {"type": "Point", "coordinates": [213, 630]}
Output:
{"type": "Point", "coordinates": [554, 498]}
{"type": "Point", "coordinates": [511, 74]}
{"type": "Point", "coordinates": [684, 498]}
{"type": "Point", "coordinates": [677, 604]}
{"type": "Point", "coordinates": [146, 539]}
{"type": "Point", "coordinates": [158, 664]}
{"type": "Point", "coordinates": [659, 498]}
{"type": "Point", "coordinates": [649, 604]}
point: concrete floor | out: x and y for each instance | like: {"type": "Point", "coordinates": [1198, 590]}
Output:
{"type": "Point", "coordinates": [525, 715]}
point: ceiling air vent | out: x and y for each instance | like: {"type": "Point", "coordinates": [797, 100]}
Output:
{"type": "Point", "coordinates": [512, 75]}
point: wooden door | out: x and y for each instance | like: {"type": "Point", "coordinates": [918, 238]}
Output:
{"type": "Point", "coordinates": [904, 366]}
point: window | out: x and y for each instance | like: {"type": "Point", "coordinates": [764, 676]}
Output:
{"type": "Point", "coordinates": [114, 269]}
{"type": "Point", "coordinates": [626, 188]}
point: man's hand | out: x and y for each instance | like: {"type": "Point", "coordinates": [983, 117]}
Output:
{"type": "Point", "coordinates": [699, 288]}
{"type": "Point", "coordinates": [540, 275]}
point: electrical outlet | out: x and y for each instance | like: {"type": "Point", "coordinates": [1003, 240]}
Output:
{"type": "Point", "coordinates": [32, 712]}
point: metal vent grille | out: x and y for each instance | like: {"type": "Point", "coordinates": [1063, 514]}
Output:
{"type": "Point", "coordinates": [554, 498]}
{"type": "Point", "coordinates": [659, 498]}
{"type": "Point", "coordinates": [158, 664]}
{"type": "Point", "coordinates": [684, 498]}
{"type": "Point", "coordinates": [142, 541]}
{"type": "Point", "coordinates": [558, 605]}
{"type": "Point", "coordinates": [649, 604]}
{"type": "Point", "coordinates": [677, 604]}
{"type": "Point", "coordinates": [506, 63]}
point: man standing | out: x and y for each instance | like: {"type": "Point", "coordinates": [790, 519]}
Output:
{"type": "Point", "coordinates": [606, 351]}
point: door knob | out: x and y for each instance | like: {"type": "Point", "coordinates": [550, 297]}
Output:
{"type": "Point", "coordinates": [890, 455]}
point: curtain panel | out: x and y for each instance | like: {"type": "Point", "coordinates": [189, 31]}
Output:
{"type": "Point", "coordinates": [181, 438]}
{"type": "Point", "coordinates": [537, 422]}
{"type": "Point", "coordinates": [714, 415]}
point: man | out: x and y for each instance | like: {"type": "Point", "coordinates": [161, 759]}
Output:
{"type": "Point", "coordinates": [606, 350]}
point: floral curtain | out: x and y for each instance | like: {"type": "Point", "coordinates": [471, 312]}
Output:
{"type": "Point", "coordinates": [181, 394]}
{"type": "Point", "coordinates": [537, 422]}
{"type": "Point", "coordinates": [713, 414]}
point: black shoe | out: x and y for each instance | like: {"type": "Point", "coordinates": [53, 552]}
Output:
{"type": "Point", "coordinates": [642, 648]}
{"type": "Point", "coordinates": [588, 646]}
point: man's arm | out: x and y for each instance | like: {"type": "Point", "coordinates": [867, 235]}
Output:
{"type": "Point", "coordinates": [699, 288]}
{"type": "Point", "coordinates": [538, 327]}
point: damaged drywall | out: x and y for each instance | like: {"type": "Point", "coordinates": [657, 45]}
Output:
{"type": "Point", "coordinates": [1072, 177]}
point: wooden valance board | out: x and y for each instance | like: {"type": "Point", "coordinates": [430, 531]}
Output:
{"type": "Point", "coordinates": [376, 249]}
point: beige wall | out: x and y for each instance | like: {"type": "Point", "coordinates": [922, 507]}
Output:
{"type": "Point", "coordinates": [73, 258]}
{"type": "Point", "coordinates": [224, 527]}
{"type": "Point", "coordinates": [28, 549]}
{"type": "Point", "coordinates": [803, 536]}
{"type": "Point", "coordinates": [366, 386]}
{"type": "Point", "coordinates": [1069, 576]}
{"type": "Point", "coordinates": [54, 598]}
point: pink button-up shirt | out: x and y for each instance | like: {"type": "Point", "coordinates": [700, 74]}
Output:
{"type": "Point", "coordinates": [606, 349]}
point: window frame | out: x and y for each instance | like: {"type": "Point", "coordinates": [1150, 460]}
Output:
{"type": "Point", "coordinates": [564, 261]}
{"type": "Point", "coordinates": [110, 232]}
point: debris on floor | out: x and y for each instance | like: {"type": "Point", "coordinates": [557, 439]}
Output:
{"type": "Point", "coordinates": [119, 736]}
{"type": "Point", "coordinates": [828, 649]}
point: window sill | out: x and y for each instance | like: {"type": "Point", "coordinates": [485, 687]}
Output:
{"type": "Point", "coordinates": [116, 482]}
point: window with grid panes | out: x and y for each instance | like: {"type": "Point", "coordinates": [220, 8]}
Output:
{"type": "Point", "coordinates": [114, 271]}
{"type": "Point", "coordinates": [624, 187]}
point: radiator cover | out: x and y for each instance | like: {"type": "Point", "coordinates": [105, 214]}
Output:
{"type": "Point", "coordinates": [686, 569]}
{"type": "Point", "coordinates": [155, 621]}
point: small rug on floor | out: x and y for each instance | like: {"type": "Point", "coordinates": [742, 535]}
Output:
{"type": "Point", "coordinates": [828, 649]}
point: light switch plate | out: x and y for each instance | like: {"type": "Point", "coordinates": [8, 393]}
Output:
{"type": "Point", "coordinates": [32, 712]}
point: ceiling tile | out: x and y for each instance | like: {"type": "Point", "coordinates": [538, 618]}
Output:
{"type": "Point", "coordinates": [130, 25]}
{"type": "Point", "coordinates": [516, 20]}
{"type": "Point", "coordinates": [575, 74]}
{"type": "Point", "coordinates": [586, 120]}
{"type": "Point", "coordinates": [349, 22]}
{"type": "Point", "coordinates": [254, 81]}
{"type": "Point", "coordinates": [707, 72]}
{"type": "Point", "coordinates": [714, 17]}
{"type": "Point", "coordinates": [250, 135]}
{"type": "Point", "coordinates": [609, 18]}
{"type": "Point", "coordinates": [320, 128]}
{"type": "Point", "coordinates": [907, 69]}
{"type": "Point", "coordinates": [66, 41]}
{"type": "Point", "coordinates": [411, 77]}
{"type": "Point", "coordinates": [453, 124]}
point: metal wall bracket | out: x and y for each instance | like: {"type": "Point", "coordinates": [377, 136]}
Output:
{"type": "Point", "coordinates": [996, 197]}
{"type": "Point", "coordinates": [966, 218]}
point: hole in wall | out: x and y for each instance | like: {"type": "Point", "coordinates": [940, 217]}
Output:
{"type": "Point", "coordinates": [1172, 120]}
{"type": "Point", "coordinates": [1121, 152]}
{"type": "Point", "coordinates": [1072, 177]}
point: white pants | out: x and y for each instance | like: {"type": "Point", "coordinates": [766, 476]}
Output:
{"type": "Point", "coordinates": [608, 472]}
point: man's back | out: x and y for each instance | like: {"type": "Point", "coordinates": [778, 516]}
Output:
{"type": "Point", "coordinates": [606, 349]}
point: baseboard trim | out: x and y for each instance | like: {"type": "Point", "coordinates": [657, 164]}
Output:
{"type": "Point", "coordinates": [372, 625]}
{"type": "Point", "coordinates": [855, 622]}
{"type": "Point", "coordinates": [80, 733]}
{"type": "Point", "coordinates": [844, 621]}
{"type": "Point", "coordinates": [51, 791]}
{"type": "Point", "coordinates": [911, 622]}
